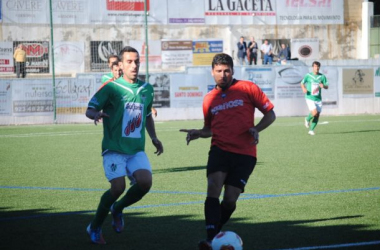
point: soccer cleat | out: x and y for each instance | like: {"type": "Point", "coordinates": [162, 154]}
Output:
{"type": "Point", "coordinates": [306, 123]}
{"type": "Point", "coordinates": [204, 245]}
{"type": "Point", "coordinates": [96, 235]}
{"type": "Point", "coordinates": [311, 132]}
{"type": "Point", "coordinates": [117, 221]}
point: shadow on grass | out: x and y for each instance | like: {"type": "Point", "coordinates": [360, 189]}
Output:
{"type": "Point", "coordinates": [33, 229]}
{"type": "Point", "coordinates": [183, 169]}
{"type": "Point", "coordinates": [353, 132]}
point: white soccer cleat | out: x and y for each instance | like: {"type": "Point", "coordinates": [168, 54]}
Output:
{"type": "Point", "coordinates": [306, 123]}
{"type": "Point", "coordinates": [311, 132]}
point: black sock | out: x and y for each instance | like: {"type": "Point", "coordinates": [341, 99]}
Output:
{"type": "Point", "coordinates": [212, 214]}
{"type": "Point", "coordinates": [225, 215]}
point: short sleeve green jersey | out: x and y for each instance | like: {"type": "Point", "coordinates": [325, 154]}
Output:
{"type": "Point", "coordinates": [128, 105]}
{"type": "Point", "coordinates": [107, 77]}
{"type": "Point", "coordinates": [311, 82]}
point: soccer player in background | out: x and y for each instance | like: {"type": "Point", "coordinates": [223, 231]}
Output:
{"type": "Point", "coordinates": [229, 120]}
{"type": "Point", "coordinates": [125, 107]}
{"type": "Point", "coordinates": [312, 85]}
{"type": "Point", "coordinates": [111, 60]}
{"type": "Point", "coordinates": [116, 73]}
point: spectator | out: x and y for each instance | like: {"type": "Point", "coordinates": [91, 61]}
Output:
{"type": "Point", "coordinates": [20, 59]}
{"type": "Point", "coordinates": [242, 51]}
{"type": "Point", "coordinates": [267, 51]}
{"type": "Point", "coordinates": [252, 51]}
{"type": "Point", "coordinates": [284, 53]}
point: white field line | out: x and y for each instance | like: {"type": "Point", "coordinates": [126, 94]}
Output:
{"type": "Point", "coordinates": [169, 129]}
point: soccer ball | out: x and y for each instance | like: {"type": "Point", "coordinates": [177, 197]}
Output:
{"type": "Point", "coordinates": [227, 241]}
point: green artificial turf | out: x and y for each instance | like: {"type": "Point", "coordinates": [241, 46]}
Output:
{"type": "Point", "coordinates": [306, 192]}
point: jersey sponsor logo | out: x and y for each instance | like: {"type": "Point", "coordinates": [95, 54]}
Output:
{"type": "Point", "coordinates": [129, 5]}
{"type": "Point", "coordinates": [132, 125]}
{"type": "Point", "coordinates": [266, 105]}
{"type": "Point", "coordinates": [227, 105]}
{"type": "Point", "coordinates": [132, 120]}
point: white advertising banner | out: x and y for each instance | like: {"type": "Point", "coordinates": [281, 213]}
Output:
{"type": "Point", "coordinates": [305, 48]}
{"type": "Point", "coordinates": [36, 11]}
{"type": "Point", "coordinates": [71, 12]}
{"type": "Point", "coordinates": [73, 94]}
{"type": "Point", "coordinates": [5, 96]}
{"type": "Point", "coordinates": [219, 12]}
{"type": "Point", "coordinates": [310, 12]}
{"type": "Point", "coordinates": [69, 57]}
{"type": "Point", "coordinates": [178, 12]}
{"type": "Point", "coordinates": [262, 77]}
{"type": "Point", "coordinates": [6, 57]}
{"type": "Point", "coordinates": [176, 53]}
{"type": "Point", "coordinates": [187, 90]}
{"type": "Point", "coordinates": [154, 53]}
{"type": "Point", "coordinates": [127, 11]}
{"type": "Point", "coordinates": [288, 81]}
{"type": "Point", "coordinates": [330, 96]}
{"type": "Point", "coordinates": [32, 97]}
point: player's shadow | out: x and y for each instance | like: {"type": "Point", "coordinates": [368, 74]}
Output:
{"type": "Point", "coordinates": [38, 229]}
{"type": "Point", "coordinates": [353, 132]}
{"type": "Point", "coordinates": [181, 169]}
{"type": "Point", "coordinates": [184, 169]}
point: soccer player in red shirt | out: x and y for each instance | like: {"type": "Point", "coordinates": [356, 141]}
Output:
{"type": "Point", "coordinates": [229, 111]}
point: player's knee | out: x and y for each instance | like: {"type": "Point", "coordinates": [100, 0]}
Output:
{"type": "Point", "coordinates": [116, 191]}
{"type": "Point", "coordinates": [213, 189]}
{"type": "Point", "coordinates": [229, 204]}
{"type": "Point", "coordinates": [145, 185]}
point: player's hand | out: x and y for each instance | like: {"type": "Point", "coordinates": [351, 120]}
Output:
{"type": "Point", "coordinates": [321, 85]}
{"type": "Point", "coordinates": [192, 134]}
{"type": "Point", "coordinates": [253, 131]}
{"type": "Point", "coordinates": [154, 112]}
{"type": "Point", "coordinates": [99, 116]}
{"type": "Point", "coordinates": [157, 143]}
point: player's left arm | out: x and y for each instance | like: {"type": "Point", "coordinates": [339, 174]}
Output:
{"type": "Point", "coordinates": [261, 102]}
{"type": "Point", "coordinates": [150, 127]}
{"type": "Point", "coordinates": [324, 84]}
{"type": "Point", "coordinates": [267, 120]}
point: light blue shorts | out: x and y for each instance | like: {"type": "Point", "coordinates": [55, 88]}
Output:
{"type": "Point", "coordinates": [116, 165]}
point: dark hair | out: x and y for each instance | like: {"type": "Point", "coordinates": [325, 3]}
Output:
{"type": "Point", "coordinates": [115, 64]}
{"type": "Point", "coordinates": [113, 56]}
{"type": "Point", "coordinates": [223, 59]}
{"type": "Point", "coordinates": [127, 49]}
{"type": "Point", "coordinates": [316, 63]}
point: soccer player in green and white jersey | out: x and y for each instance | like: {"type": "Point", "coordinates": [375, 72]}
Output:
{"type": "Point", "coordinates": [312, 85]}
{"type": "Point", "coordinates": [111, 60]}
{"type": "Point", "coordinates": [125, 107]}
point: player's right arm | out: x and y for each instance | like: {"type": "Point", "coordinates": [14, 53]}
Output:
{"type": "Point", "coordinates": [304, 90]}
{"type": "Point", "coordinates": [95, 115]}
{"type": "Point", "coordinates": [193, 134]}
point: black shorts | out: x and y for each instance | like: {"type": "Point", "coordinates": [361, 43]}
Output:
{"type": "Point", "coordinates": [237, 166]}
